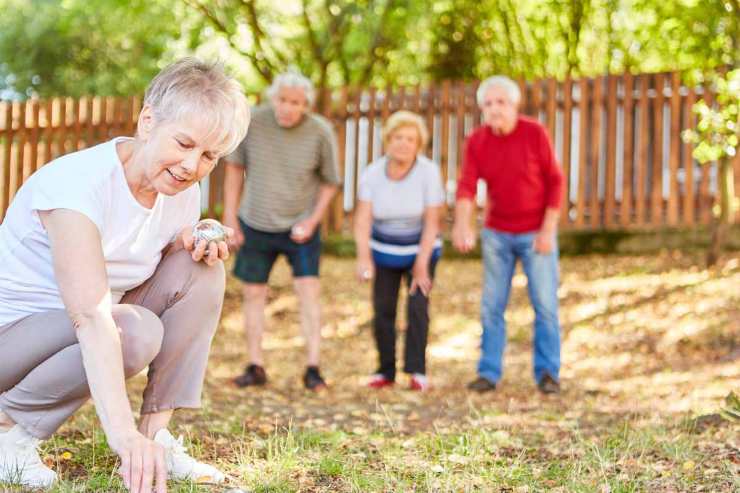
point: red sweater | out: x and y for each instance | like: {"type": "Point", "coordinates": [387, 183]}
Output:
{"type": "Point", "coordinates": [521, 174]}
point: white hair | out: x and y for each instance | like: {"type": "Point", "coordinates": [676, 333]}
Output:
{"type": "Point", "coordinates": [191, 88]}
{"type": "Point", "coordinates": [293, 78]}
{"type": "Point", "coordinates": [511, 88]}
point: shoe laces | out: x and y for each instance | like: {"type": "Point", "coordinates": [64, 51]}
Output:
{"type": "Point", "coordinates": [177, 450]}
{"type": "Point", "coordinates": [29, 450]}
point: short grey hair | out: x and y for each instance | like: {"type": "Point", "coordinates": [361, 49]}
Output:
{"type": "Point", "coordinates": [511, 88]}
{"type": "Point", "coordinates": [293, 78]}
{"type": "Point", "coordinates": [192, 88]}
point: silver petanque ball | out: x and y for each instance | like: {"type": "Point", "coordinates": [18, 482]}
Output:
{"type": "Point", "coordinates": [208, 230]}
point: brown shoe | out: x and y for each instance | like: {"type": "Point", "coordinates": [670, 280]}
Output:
{"type": "Point", "coordinates": [481, 385]}
{"type": "Point", "coordinates": [548, 385]}
{"type": "Point", "coordinates": [253, 375]}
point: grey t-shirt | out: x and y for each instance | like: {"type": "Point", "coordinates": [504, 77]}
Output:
{"type": "Point", "coordinates": [398, 205]}
{"type": "Point", "coordinates": [285, 167]}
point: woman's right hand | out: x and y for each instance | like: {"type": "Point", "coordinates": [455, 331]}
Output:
{"type": "Point", "coordinates": [142, 463]}
{"type": "Point", "coordinates": [236, 240]}
{"type": "Point", "coordinates": [365, 270]}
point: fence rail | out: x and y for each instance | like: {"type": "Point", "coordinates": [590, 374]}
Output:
{"type": "Point", "coordinates": [617, 138]}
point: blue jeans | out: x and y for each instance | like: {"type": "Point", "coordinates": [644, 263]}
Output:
{"type": "Point", "coordinates": [500, 252]}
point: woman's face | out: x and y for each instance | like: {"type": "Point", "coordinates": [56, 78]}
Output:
{"type": "Point", "coordinates": [178, 154]}
{"type": "Point", "coordinates": [403, 144]}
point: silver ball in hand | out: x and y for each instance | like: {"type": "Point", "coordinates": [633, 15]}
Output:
{"type": "Point", "coordinates": [208, 230]}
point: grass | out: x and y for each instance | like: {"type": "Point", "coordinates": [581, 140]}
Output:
{"type": "Point", "coordinates": [628, 458]}
{"type": "Point", "coordinates": [649, 343]}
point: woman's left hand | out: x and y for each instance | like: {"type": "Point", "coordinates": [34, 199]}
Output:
{"type": "Point", "coordinates": [216, 250]}
{"type": "Point", "coordinates": [420, 279]}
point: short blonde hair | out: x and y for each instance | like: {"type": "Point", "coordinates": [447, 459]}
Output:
{"type": "Point", "coordinates": [405, 118]}
{"type": "Point", "coordinates": [192, 88]}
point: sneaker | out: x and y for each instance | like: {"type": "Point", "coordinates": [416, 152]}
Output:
{"type": "Point", "coordinates": [181, 466]}
{"type": "Point", "coordinates": [481, 385]}
{"type": "Point", "coordinates": [253, 375]}
{"type": "Point", "coordinates": [20, 462]}
{"type": "Point", "coordinates": [548, 385]}
{"type": "Point", "coordinates": [312, 379]}
{"type": "Point", "coordinates": [419, 382]}
{"type": "Point", "coordinates": [378, 381]}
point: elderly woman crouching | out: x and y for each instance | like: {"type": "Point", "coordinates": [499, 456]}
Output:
{"type": "Point", "coordinates": [100, 277]}
{"type": "Point", "coordinates": [397, 235]}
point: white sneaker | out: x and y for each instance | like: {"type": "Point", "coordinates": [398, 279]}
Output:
{"type": "Point", "coordinates": [180, 466]}
{"type": "Point", "coordinates": [20, 462]}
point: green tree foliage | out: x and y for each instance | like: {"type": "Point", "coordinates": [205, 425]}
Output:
{"type": "Point", "coordinates": [560, 38]}
{"type": "Point", "coordinates": [338, 42]}
{"type": "Point", "coordinates": [456, 40]}
{"type": "Point", "coordinates": [685, 33]}
{"type": "Point", "coordinates": [76, 47]}
{"type": "Point", "coordinates": [717, 136]}
{"type": "Point", "coordinates": [73, 47]}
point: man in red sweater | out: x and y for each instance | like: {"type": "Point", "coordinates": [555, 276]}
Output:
{"type": "Point", "coordinates": [513, 155]}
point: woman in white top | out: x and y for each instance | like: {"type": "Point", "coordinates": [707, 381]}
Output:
{"type": "Point", "coordinates": [100, 277]}
{"type": "Point", "coordinates": [397, 235]}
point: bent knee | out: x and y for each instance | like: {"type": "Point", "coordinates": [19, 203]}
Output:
{"type": "Point", "coordinates": [206, 278]}
{"type": "Point", "coordinates": [141, 336]}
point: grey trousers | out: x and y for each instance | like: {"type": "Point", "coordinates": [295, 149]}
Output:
{"type": "Point", "coordinates": [167, 323]}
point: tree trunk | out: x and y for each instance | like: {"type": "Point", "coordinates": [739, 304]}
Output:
{"type": "Point", "coordinates": [726, 190]}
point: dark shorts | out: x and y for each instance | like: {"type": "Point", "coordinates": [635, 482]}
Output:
{"type": "Point", "coordinates": [260, 250]}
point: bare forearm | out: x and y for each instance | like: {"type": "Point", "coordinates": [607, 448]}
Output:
{"type": "Point", "coordinates": [362, 237]}
{"type": "Point", "coordinates": [79, 268]}
{"type": "Point", "coordinates": [428, 236]}
{"type": "Point", "coordinates": [100, 344]}
{"type": "Point", "coordinates": [550, 222]}
{"type": "Point", "coordinates": [326, 193]}
{"type": "Point", "coordinates": [463, 211]}
{"type": "Point", "coordinates": [233, 186]}
{"type": "Point", "coordinates": [362, 230]}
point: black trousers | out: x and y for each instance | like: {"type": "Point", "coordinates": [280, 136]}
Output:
{"type": "Point", "coordinates": [386, 287]}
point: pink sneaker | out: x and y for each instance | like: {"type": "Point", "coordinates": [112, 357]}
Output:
{"type": "Point", "coordinates": [419, 382]}
{"type": "Point", "coordinates": [378, 381]}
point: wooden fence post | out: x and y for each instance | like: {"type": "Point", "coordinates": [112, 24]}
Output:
{"type": "Point", "coordinates": [35, 132]}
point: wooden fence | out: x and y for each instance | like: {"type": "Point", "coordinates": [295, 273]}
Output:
{"type": "Point", "coordinates": [616, 137]}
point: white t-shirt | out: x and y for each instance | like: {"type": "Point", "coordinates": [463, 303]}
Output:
{"type": "Point", "coordinates": [398, 205]}
{"type": "Point", "coordinates": [91, 182]}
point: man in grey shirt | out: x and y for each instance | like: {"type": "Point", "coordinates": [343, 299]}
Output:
{"type": "Point", "coordinates": [291, 165]}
